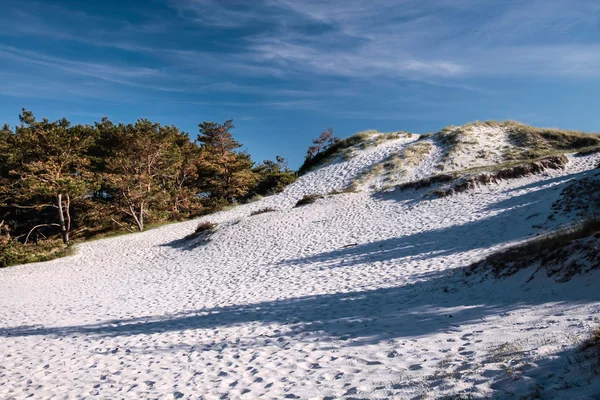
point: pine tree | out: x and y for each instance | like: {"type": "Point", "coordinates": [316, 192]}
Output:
{"type": "Point", "coordinates": [224, 174]}
{"type": "Point", "coordinates": [138, 162]}
{"type": "Point", "coordinates": [325, 140]}
{"type": "Point", "coordinates": [272, 177]}
{"type": "Point", "coordinates": [6, 150]}
{"type": "Point", "coordinates": [182, 188]}
{"type": "Point", "coordinates": [51, 166]}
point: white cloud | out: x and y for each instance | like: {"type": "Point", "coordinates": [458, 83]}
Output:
{"type": "Point", "coordinates": [377, 42]}
{"type": "Point", "coordinates": [407, 39]}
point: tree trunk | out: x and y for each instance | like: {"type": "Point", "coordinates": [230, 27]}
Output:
{"type": "Point", "coordinates": [141, 218]}
{"type": "Point", "coordinates": [61, 218]}
{"type": "Point", "coordinates": [138, 220]}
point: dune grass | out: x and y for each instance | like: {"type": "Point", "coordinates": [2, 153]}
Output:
{"type": "Point", "coordinates": [553, 248]}
{"type": "Point", "coordinates": [346, 148]}
{"type": "Point", "coordinates": [334, 151]}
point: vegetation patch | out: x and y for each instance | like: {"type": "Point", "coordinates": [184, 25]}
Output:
{"type": "Point", "coordinates": [333, 150]}
{"type": "Point", "coordinates": [427, 182]}
{"type": "Point", "coordinates": [14, 253]}
{"type": "Point", "coordinates": [531, 142]}
{"type": "Point", "coordinates": [204, 229]}
{"type": "Point", "coordinates": [263, 211]}
{"type": "Point", "coordinates": [308, 199]}
{"type": "Point", "coordinates": [450, 137]}
{"type": "Point", "coordinates": [461, 181]}
{"type": "Point", "coordinates": [414, 154]}
{"type": "Point", "coordinates": [526, 142]}
{"type": "Point", "coordinates": [518, 171]}
{"type": "Point", "coordinates": [327, 147]}
{"type": "Point", "coordinates": [563, 254]}
{"type": "Point", "coordinates": [352, 188]}
{"type": "Point", "coordinates": [80, 182]}
{"type": "Point", "coordinates": [581, 198]}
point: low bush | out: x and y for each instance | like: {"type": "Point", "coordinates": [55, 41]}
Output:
{"type": "Point", "coordinates": [262, 211]}
{"type": "Point", "coordinates": [308, 199]}
{"type": "Point", "coordinates": [203, 228]}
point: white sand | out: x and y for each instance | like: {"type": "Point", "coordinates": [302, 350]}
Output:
{"type": "Point", "coordinates": [351, 297]}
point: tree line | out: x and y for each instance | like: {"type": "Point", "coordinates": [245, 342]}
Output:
{"type": "Point", "coordinates": [59, 180]}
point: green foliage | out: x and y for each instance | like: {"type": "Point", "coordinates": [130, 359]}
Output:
{"type": "Point", "coordinates": [58, 180]}
{"type": "Point", "coordinates": [139, 165]}
{"type": "Point", "coordinates": [14, 252]}
{"type": "Point", "coordinates": [224, 173]}
{"type": "Point", "coordinates": [271, 178]}
{"type": "Point", "coordinates": [50, 167]}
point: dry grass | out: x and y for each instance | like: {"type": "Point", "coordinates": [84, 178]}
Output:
{"type": "Point", "coordinates": [581, 197]}
{"type": "Point", "coordinates": [396, 164]}
{"type": "Point", "coordinates": [263, 211]}
{"type": "Point", "coordinates": [308, 199]}
{"type": "Point", "coordinates": [527, 142]}
{"type": "Point", "coordinates": [335, 150]}
{"type": "Point", "coordinates": [450, 138]}
{"type": "Point", "coordinates": [347, 148]}
{"type": "Point", "coordinates": [415, 153]}
{"type": "Point", "coordinates": [553, 249]}
{"type": "Point", "coordinates": [459, 181]}
{"type": "Point", "coordinates": [352, 188]}
{"type": "Point", "coordinates": [499, 174]}
{"type": "Point", "coordinates": [427, 182]}
{"type": "Point", "coordinates": [205, 228]}
{"type": "Point", "coordinates": [533, 142]}
{"type": "Point", "coordinates": [593, 341]}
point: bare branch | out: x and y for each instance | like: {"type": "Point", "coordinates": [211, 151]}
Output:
{"type": "Point", "coordinates": [38, 226]}
{"type": "Point", "coordinates": [121, 225]}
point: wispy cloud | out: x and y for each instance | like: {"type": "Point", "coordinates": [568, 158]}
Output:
{"type": "Point", "coordinates": [282, 50]}
{"type": "Point", "coordinates": [410, 39]}
{"type": "Point", "coordinates": [124, 75]}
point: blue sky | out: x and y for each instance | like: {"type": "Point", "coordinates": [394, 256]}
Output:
{"type": "Point", "coordinates": [284, 70]}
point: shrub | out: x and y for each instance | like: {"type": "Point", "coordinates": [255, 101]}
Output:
{"type": "Point", "coordinates": [262, 211]}
{"type": "Point", "coordinates": [308, 199]}
{"type": "Point", "coordinates": [205, 226]}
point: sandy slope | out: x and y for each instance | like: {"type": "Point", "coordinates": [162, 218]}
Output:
{"type": "Point", "coordinates": [355, 296]}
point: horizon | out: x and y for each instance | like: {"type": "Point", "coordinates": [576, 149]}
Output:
{"type": "Point", "coordinates": [284, 71]}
